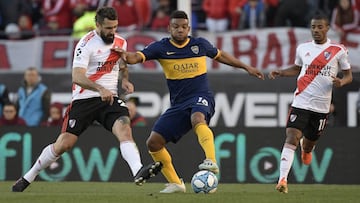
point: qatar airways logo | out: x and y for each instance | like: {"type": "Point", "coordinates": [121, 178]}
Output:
{"type": "Point", "coordinates": [186, 67]}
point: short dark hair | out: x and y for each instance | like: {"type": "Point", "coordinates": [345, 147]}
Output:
{"type": "Point", "coordinates": [32, 68]}
{"type": "Point", "coordinates": [178, 14]}
{"type": "Point", "coordinates": [11, 104]}
{"type": "Point", "coordinates": [136, 100]}
{"type": "Point", "coordinates": [319, 15]}
{"type": "Point", "coordinates": [105, 12]}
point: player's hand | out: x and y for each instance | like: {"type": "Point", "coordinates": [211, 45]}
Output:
{"type": "Point", "coordinates": [127, 86]}
{"type": "Point", "coordinates": [255, 72]}
{"type": "Point", "coordinates": [106, 95]}
{"type": "Point", "coordinates": [120, 51]}
{"type": "Point", "coordinates": [273, 74]}
{"type": "Point", "coordinates": [336, 81]}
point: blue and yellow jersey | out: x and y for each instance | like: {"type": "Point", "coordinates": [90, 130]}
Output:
{"type": "Point", "coordinates": [184, 66]}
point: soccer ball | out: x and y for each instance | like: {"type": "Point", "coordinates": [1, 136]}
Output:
{"type": "Point", "coordinates": [204, 182]}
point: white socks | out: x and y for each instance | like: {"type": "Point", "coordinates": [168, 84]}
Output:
{"type": "Point", "coordinates": [131, 155]}
{"type": "Point", "coordinates": [129, 152]}
{"type": "Point", "coordinates": [287, 158]}
{"type": "Point", "coordinates": [46, 157]}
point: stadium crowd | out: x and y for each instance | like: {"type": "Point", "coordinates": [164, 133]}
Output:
{"type": "Point", "coordinates": [23, 19]}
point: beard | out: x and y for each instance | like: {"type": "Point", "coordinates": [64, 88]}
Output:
{"type": "Point", "coordinates": [108, 39]}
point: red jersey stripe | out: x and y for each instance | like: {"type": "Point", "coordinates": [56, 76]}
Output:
{"type": "Point", "coordinates": [66, 119]}
{"type": "Point", "coordinates": [316, 66]}
{"type": "Point", "coordinates": [108, 65]}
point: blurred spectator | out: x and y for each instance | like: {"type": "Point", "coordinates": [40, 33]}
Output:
{"type": "Point", "coordinates": [313, 8]}
{"type": "Point", "coordinates": [12, 31]}
{"type": "Point", "coordinates": [86, 21]}
{"type": "Point", "coordinates": [1, 21]}
{"type": "Point", "coordinates": [357, 5]}
{"type": "Point", "coordinates": [345, 18]}
{"type": "Point", "coordinates": [10, 116]}
{"type": "Point", "coordinates": [217, 15]}
{"type": "Point", "coordinates": [4, 96]}
{"type": "Point", "coordinates": [21, 30]}
{"type": "Point", "coordinates": [33, 98]}
{"type": "Point", "coordinates": [271, 7]}
{"type": "Point", "coordinates": [326, 6]}
{"type": "Point", "coordinates": [160, 21]}
{"type": "Point", "coordinates": [11, 10]}
{"type": "Point", "coordinates": [58, 17]}
{"type": "Point", "coordinates": [136, 118]}
{"type": "Point", "coordinates": [37, 17]}
{"type": "Point", "coordinates": [79, 7]}
{"type": "Point", "coordinates": [133, 14]}
{"type": "Point", "coordinates": [166, 5]}
{"type": "Point", "coordinates": [145, 11]}
{"type": "Point", "coordinates": [235, 9]}
{"type": "Point", "coordinates": [198, 16]}
{"type": "Point", "coordinates": [161, 15]}
{"type": "Point", "coordinates": [55, 115]}
{"type": "Point", "coordinates": [291, 13]}
{"type": "Point", "coordinates": [26, 27]}
{"type": "Point", "coordinates": [253, 15]}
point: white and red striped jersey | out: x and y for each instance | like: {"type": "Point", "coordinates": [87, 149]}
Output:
{"type": "Point", "coordinates": [102, 64]}
{"type": "Point", "coordinates": [319, 63]}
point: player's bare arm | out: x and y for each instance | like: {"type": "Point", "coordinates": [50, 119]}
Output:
{"type": "Point", "coordinates": [133, 58]}
{"type": "Point", "coordinates": [128, 57]}
{"type": "Point", "coordinates": [125, 83]}
{"type": "Point", "coordinates": [79, 78]}
{"type": "Point", "coordinates": [230, 60]}
{"type": "Point", "coordinates": [288, 72]}
{"type": "Point", "coordinates": [346, 79]}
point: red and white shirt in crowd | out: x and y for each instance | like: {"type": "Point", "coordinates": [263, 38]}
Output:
{"type": "Point", "coordinates": [102, 64]}
{"type": "Point", "coordinates": [320, 63]}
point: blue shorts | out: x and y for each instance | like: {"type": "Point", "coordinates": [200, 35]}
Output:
{"type": "Point", "coordinates": [175, 122]}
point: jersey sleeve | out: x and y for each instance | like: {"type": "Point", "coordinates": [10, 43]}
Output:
{"type": "Point", "coordinates": [211, 50]}
{"type": "Point", "coordinates": [150, 52]}
{"type": "Point", "coordinates": [298, 60]}
{"type": "Point", "coordinates": [124, 46]}
{"type": "Point", "coordinates": [343, 60]}
{"type": "Point", "coordinates": [81, 56]}
{"type": "Point", "coordinates": [120, 42]}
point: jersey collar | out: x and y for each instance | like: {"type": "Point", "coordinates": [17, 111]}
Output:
{"type": "Point", "coordinates": [180, 46]}
{"type": "Point", "coordinates": [321, 45]}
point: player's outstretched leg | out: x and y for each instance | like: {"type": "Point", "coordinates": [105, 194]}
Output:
{"type": "Point", "coordinates": [20, 185]}
{"type": "Point", "coordinates": [146, 172]}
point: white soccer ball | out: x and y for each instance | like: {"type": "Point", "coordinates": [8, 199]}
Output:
{"type": "Point", "coordinates": [204, 182]}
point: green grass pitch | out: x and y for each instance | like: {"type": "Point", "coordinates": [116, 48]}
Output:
{"type": "Point", "coordinates": [104, 192]}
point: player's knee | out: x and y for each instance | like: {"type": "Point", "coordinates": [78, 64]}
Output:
{"type": "Point", "coordinates": [293, 136]}
{"type": "Point", "coordinates": [197, 118]}
{"type": "Point", "coordinates": [61, 147]}
{"type": "Point", "coordinates": [151, 145]}
{"type": "Point", "coordinates": [292, 140]}
{"type": "Point", "coordinates": [64, 143]}
{"type": "Point", "coordinates": [154, 144]}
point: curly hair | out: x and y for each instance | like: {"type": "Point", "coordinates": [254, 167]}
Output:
{"type": "Point", "coordinates": [105, 12]}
